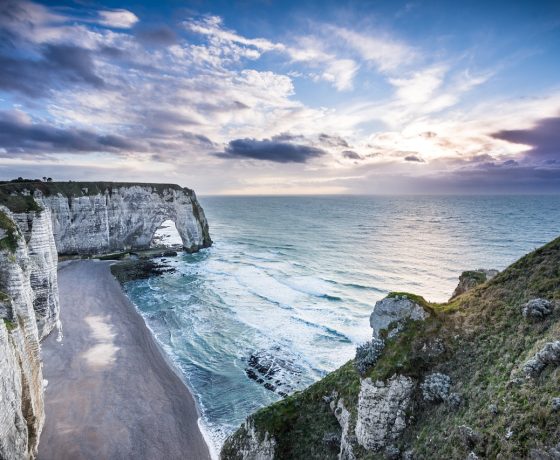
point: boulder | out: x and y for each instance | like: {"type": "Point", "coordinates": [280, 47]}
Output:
{"type": "Point", "coordinates": [537, 309]}
{"type": "Point", "coordinates": [548, 355]}
{"type": "Point", "coordinates": [436, 387]}
{"type": "Point", "coordinates": [392, 309]}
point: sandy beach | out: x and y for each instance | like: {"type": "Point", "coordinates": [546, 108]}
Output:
{"type": "Point", "coordinates": [111, 394]}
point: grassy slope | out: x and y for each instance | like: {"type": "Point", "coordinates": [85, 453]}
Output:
{"type": "Point", "coordinates": [487, 341]}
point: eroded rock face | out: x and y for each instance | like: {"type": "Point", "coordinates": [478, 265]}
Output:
{"type": "Point", "coordinates": [548, 355]}
{"type": "Point", "coordinates": [472, 278]}
{"type": "Point", "coordinates": [43, 260]}
{"type": "Point", "coordinates": [382, 410]}
{"type": "Point", "coordinates": [123, 217]}
{"type": "Point", "coordinates": [391, 309]}
{"type": "Point", "coordinates": [21, 380]}
{"type": "Point", "coordinates": [251, 445]}
{"type": "Point", "coordinates": [344, 420]}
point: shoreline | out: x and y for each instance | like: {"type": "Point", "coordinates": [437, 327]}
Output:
{"type": "Point", "coordinates": [112, 391]}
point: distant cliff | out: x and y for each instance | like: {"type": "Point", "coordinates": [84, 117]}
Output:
{"type": "Point", "coordinates": [475, 377]}
{"type": "Point", "coordinates": [38, 221]}
{"type": "Point", "coordinates": [100, 217]}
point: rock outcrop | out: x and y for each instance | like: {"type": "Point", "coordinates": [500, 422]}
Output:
{"type": "Point", "coordinates": [394, 308]}
{"type": "Point", "coordinates": [549, 354]}
{"type": "Point", "coordinates": [472, 278]}
{"type": "Point", "coordinates": [251, 444]}
{"type": "Point", "coordinates": [395, 399]}
{"type": "Point", "coordinates": [40, 221]}
{"type": "Point", "coordinates": [382, 408]}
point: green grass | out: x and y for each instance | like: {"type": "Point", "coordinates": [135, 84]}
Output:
{"type": "Point", "coordinates": [10, 325]}
{"type": "Point", "coordinates": [10, 239]}
{"type": "Point", "coordinates": [486, 342]}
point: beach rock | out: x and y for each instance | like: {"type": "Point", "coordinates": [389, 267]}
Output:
{"type": "Point", "coordinates": [394, 309]}
{"type": "Point", "coordinates": [548, 355]}
{"type": "Point", "coordinates": [275, 370]}
{"type": "Point", "coordinates": [436, 387]}
{"type": "Point", "coordinates": [21, 380]}
{"type": "Point", "coordinates": [472, 278]}
{"type": "Point", "coordinates": [537, 309]}
{"type": "Point", "coordinates": [382, 408]}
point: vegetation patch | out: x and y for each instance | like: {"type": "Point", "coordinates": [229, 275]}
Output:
{"type": "Point", "coordinates": [11, 233]}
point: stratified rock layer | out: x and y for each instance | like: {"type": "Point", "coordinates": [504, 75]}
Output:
{"type": "Point", "coordinates": [21, 382]}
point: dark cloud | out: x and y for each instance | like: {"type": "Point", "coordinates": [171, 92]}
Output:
{"type": "Point", "coordinates": [18, 135]}
{"type": "Point", "coordinates": [544, 138]}
{"type": "Point", "coordinates": [351, 155]}
{"type": "Point", "coordinates": [57, 66]}
{"type": "Point", "coordinates": [156, 36]}
{"type": "Point", "coordinates": [333, 141]}
{"type": "Point", "coordinates": [414, 158]}
{"type": "Point", "coordinates": [270, 150]}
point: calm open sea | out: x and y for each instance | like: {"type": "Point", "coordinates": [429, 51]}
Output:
{"type": "Point", "coordinates": [285, 293]}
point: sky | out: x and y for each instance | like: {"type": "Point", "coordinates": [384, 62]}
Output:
{"type": "Point", "coordinates": [267, 97]}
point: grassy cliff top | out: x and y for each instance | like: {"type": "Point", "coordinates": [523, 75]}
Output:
{"type": "Point", "coordinates": [11, 192]}
{"type": "Point", "coordinates": [486, 341]}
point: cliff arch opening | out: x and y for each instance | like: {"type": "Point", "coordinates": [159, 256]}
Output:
{"type": "Point", "coordinates": [166, 236]}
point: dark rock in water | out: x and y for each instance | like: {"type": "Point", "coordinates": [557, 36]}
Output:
{"type": "Point", "coordinates": [537, 309]}
{"type": "Point", "coordinates": [276, 374]}
{"type": "Point", "coordinates": [139, 269]}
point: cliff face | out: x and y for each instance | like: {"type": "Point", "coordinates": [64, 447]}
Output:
{"type": "Point", "coordinates": [38, 221]}
{"type": "Point", "coordinates": [21, 381]}
{"type": "Point", "coordinates": [122, 217]}
{"type": "Point", "coordinates": [475, 377]}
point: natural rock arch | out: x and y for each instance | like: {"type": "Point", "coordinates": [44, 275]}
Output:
{"type": "Point", "coordinates": [123, 217]}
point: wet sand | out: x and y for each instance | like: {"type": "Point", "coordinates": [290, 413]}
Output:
{"type": "Point", "coordinates": [111, 394]}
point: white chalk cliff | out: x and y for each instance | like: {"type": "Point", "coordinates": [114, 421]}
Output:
{"type": "Point", "coordinates": [38, 221]}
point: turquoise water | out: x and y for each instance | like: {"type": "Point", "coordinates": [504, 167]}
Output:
{"type": "Point", "coordinates": [290, 282]}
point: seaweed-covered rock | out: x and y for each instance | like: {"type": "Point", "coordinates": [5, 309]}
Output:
{"type": "Point", "coordinates": [367, 355]}
{"type": "Point", "coordinates": [435, 387]}
{"type": "Point", "coordinates": [537, 309]}
{"type": "Point", "coordinates": [549, 354]}
{"type": "Point", "coordinates": [394, 308]}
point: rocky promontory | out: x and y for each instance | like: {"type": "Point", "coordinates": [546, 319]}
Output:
{"type": "Point", "coordinates": [475, 377]}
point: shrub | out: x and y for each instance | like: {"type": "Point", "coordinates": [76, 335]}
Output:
{"type": "Point", "coordinates": [367, 355]}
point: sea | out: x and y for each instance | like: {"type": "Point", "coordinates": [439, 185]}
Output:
{"type": "Point", "coordinates": [284, 294]}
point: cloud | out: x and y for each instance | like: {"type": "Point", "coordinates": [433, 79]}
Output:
{"type": "Point", "coordinates": [333, 140]}
{"type": "Point", "coordinates": [413, 158]}
{"type": "Point", "coordinates": [350, 154]}
{"type": "Point", "coordinates": [270, 150]}
{"type": "Point", "coordinates": [543, 138]}
{"type": "Point", "coordinates": [19, 135]}
{"type": "Point", "coordinates": [57, 65]}
{"type": "Point", "coordinates": [117, 19]}
{"type": "Point", "coordinates": [156, 36]}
